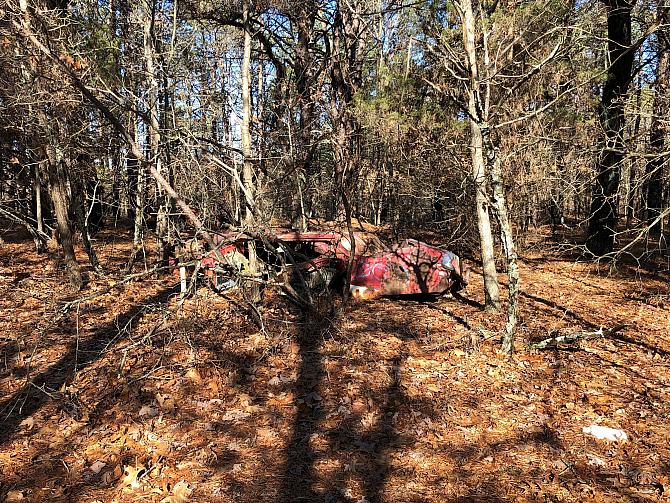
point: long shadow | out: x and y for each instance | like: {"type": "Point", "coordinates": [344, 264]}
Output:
{"type": "Point", "coordinates": [469, 302]}
{"type": "Point", "coordinates": [30, 474]}
{"type": "Point", "coordinates": [459, 319]}
{"type": "Point", "coordinates": [565, 310]}
{"type": "Point", "coordinates": [30, 398]}
{"type": "Point", "coordinates": [644, 345]}
{"type": "Point", "coordinates": [384, 434]}
{"type": "Point", "coordinates": [373, 446]}
{"type": "Point", "coordinates": [298, 471]}
{"type": "Point", "coordinates": [577, 317]}
{"type": "Point", "coordinates": [430, 300]}
{"type": "Point", "coordinates": [626, 266]}
{"type": "Point", "coordinates": [376, 445]}
{"type": "Point", "coordinates": [633, 374]}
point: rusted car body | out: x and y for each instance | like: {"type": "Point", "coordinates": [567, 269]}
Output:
{"type": "Point", "coordinates": [407, 268]}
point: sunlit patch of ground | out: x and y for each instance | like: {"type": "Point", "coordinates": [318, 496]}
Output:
{"type": "Point", "coordinates": [132, 396]}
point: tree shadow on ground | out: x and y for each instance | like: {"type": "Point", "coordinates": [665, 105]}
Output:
{"type": "Point", "coordinates": [47, 469]}
{"type": "Point", "coordinates": [298, 475]}
{"type": "Point", "coordinates": [469, 302]}
{"type": "Point", "coordinates": [566, 311]}
{"type": "Point", "coordinates": [364, 454]}
{"type": "Point", "coordinates": [649, 347]}
{"type": "Point", "coordinates": [626, 266]}
{"type": "Point", "coordinates": [43, 387]}
{"type": "Point", "coordinates": [459, 319]}
{"type": "Point", "coordinates": [298, 471]}
{"type": "Point", "coordinates": [430, 301]}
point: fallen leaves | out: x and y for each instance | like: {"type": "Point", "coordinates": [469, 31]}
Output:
{"type": "Point", "coordinates": [181, 493]}
{"type": "Point", "coordinates": [359, 407]}
{"type": "Point", "coordinates": [194, 375]}
{"type": "Point", "coordinates": [97, 466]}
{"type": "Point", "coordinates": [27, 423]}
{"type": "Point", "coordinates": [167, 404]}
{"type": "Point", "coordinates": [281, 400]}
{"type": "Point", "coordinates": [147, 411]}
{"type": "Point", "coordinates": [15, 495]}
{"type": "Point", "coordinates": [132, 474]}
{"type": "Point", "coordinates": [375, 400]}
{"type": "Point", "coordinates": [235, 415]}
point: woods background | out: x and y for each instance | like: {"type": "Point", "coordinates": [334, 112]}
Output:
{"type": "Point", "coordinates": [527, 137]}
{"type": "Point", "coordinates": [397, 114]}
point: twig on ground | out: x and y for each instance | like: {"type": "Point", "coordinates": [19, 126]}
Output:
{"type": "Point", "coordinates": [576, 336]}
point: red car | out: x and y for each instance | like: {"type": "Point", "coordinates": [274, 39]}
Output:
{"type": "Point", "coordinates": [407, 268]}
{"type": "Point", "coordinates": [411, 267]}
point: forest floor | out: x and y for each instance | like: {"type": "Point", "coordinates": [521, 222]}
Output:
{"type": "Point", "coordinates": [136, 396]}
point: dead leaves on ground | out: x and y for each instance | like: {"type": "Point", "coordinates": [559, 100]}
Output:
{"type": "Point", "coordinates": [388, 404]}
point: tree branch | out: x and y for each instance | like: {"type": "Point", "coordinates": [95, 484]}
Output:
{"type": "Point", "coordinates": [564, 339]}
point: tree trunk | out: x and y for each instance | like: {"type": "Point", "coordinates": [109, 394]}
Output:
{"type": "Point", "coordinates": [304, 77]}
{"type": "Point", "coordinates": [633, 191]}
{"type": "Point", "coordinates": [657, 129]}
{"type": "Point", "coordinates": [39, 244]}
{"type": "Point", "coordinates": [129, 162]}
{"type": "Point", "coordinates": [58, 185]}
{"type": "Point", "coordinates": [79, 207]}
{"type": "Point", "coordinates": [507, 238]}
{"type": "Point", "coordinates": [154, 134]}
{"type": "Point", "coordinates": [135, 170]}
{"type": "Point", "coordinates": [603, 216]}
{"type": "Point", "coordinates": [138, 227]}
{"type": "Point", "coordinates": [247, 170]}
{"type": "Point", "coordinates": [343, 165]}
{"type": "Point", "coordinates": [475, 110]}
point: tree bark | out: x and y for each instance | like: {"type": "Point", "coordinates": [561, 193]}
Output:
{"type": "Point", "coordinates": [248, 169]}
{"type": "Point", "coordinates": [305, 68]}
{"type": "Point", "coordinates": [603, 216]}
{"type": "Point", "coordinates": [346, 60]}
{"type": "Point", "coordinates": [57, 177]}
{"type": "Point", "coordinates": [657, 129]}
{"type": "Point", "coordinates": [155, 155]}
{"type": "Point", "coordinates": [476, 110]}
{"type": "Point", "coordinates": [507, 237]}
{"type": "Point", "coordinates": [58, 184]}
{"type": "Point", "coordinates": [139, 203]}
{"type": "Point", "coordinates": [79, 207]}
{"type": "Point", "coordinates": [39, 244]}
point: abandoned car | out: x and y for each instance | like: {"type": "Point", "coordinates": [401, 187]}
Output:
{"type": "Point", "coordinates": [410, 267]}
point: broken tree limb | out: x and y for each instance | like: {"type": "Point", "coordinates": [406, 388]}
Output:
{"type": "Point", "coordinates": [576, 336]}
{"type": "Point", "coordinates": [27, 223]}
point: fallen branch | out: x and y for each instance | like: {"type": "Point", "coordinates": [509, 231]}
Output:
{"type": "Point", "coordinates": [576, 336]}
{"type": "Point", "coordinates": [26, 222]}
{"type": "Point", "coordinates": [118, 284]}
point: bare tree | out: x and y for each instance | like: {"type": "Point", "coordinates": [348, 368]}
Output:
{"type": "Point", "coordinates": [248, 169]}
{"type": "Point", "coordinates": [478, 103]}
{"type": "Point", "coordinates": [658, 130]}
